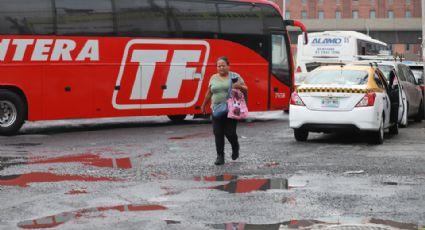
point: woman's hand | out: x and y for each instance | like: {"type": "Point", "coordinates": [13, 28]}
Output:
{"type": "Point", "coordinates": [204, 109]}
{"type": "Point", "coordinates": [238, 85]}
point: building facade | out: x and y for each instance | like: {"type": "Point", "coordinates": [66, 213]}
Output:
{"type": "Point", "coordinates": [396, 22]}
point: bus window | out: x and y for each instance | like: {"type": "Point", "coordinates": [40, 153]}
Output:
{"type": "Point", "coordinates": [142, 18]}
{"type": "Point", "coordinates": [193, 19]}
{"type": "Point", "coordinates": [240, 18]}
{"type": "Point", "coordinates": [35, 18]}
{"type": "Point", "coordinates": [272, 18]}
{"type": "Point", "coordinates": [280, 61]}
{"type": "Point", "coordinates": [82, 17]}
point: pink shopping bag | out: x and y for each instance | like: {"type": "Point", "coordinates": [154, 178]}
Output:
{"type": "Point", "coordinates": [237, 105]}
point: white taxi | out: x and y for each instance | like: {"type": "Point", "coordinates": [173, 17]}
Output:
{"type": "Point", "coordinates": [339, 98]}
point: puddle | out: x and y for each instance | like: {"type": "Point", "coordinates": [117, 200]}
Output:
{"type": "Point", "coordinates": [23, 180]}
{"type": "Point", "coordinates": [389, 183]}
{"type": "Point", "coordinates": [59, 219]}
{"type": "Point", "coordinates": [190, 136]}
{"type": "Point", "coordinates": [10, 161]}
{"type": "Point", "coordinates": [245, 185]}
{"type": "Point", "coordinates": [339, 223]}
{"type": "Point", "coordinates": [77, 191]}
{"type": "Point", "coordinates": [23, 144]}
{"type": "Point", "coordinates": [91, 160]}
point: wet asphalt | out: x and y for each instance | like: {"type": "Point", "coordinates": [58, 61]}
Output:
{"type": "Point", "coordinates": [149, 173]}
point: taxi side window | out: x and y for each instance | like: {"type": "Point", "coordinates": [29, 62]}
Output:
{"type": "Point", "coordinates": [379, 82]}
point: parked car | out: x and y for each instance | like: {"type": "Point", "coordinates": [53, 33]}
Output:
{"type": "Point", "coordinates": [411, 88]}
{"type": "Point", "coordinates": [340, 98]}
{"type": "Point", "coordinates": [418, 71]}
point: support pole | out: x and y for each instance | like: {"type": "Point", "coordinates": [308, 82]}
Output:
{"type": "Point", "coordinates": [423, 29]}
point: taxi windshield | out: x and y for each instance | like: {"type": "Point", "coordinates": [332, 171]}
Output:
{"type": "Point", "coordinates": [337, 77]}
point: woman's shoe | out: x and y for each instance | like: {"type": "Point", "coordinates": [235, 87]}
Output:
{"type": "Point", "coordinates": [219, 160]}
{"type": "Point", "coordinates": [235, 155]}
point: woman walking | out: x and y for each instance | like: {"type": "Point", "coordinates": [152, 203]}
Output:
{"type": "Point", "coordinates": [217, 92]}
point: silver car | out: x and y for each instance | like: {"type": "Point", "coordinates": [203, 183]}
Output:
{"type": "Point", "coordinates": [410, 86]}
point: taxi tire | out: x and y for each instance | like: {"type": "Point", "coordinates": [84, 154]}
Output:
{"type": "Point", "coordinates": [377, 137]}
{"type": "Point", "coordinates": [301, 134]}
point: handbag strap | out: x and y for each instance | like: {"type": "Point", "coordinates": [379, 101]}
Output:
{"type": "Point", "coordinates": [230, 82]}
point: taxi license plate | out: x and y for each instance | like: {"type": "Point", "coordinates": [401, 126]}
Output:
{"type": "Point", "coordinates": [330, 102]}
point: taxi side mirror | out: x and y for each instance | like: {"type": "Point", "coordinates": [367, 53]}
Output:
{"type": "Point", "coordinates": [420, 81]}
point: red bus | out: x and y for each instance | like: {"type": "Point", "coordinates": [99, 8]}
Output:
{"type": "Point", "coordinates": [66, 59]}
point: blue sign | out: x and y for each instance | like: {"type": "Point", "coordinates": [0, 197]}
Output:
{"type": "Point", "coordinates": [326, 41]}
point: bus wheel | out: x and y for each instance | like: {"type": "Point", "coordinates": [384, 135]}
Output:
{"type": "Point", "coordinates": [300, 134]}
{"type": "Point", "coordinates": [177, 118]}
{"type": "Point", "coordinates": [12, 112]}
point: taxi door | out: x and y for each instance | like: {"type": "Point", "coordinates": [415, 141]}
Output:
{"type": "Point", "coordinates": [383, 95]}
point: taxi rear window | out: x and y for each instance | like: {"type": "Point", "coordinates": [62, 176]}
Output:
{"type": "Point", "coordinates": [337, 77]}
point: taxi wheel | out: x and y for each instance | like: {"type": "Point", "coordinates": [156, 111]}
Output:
{"type": "Point", "coordinates": [377, 137]}
{"type": "Point", "coordinates": [300, 134]}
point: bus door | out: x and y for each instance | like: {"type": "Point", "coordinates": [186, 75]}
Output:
{"type": "Point", "coordinates": [281, 69]}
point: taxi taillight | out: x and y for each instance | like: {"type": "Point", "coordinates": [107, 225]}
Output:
{"type": "Point", "coordinates": [367, 100]}
{"type": "Point", "coordinates": [296, 100]}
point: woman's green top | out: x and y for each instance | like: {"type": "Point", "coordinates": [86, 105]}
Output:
{"type": "Point", "coordinates": [220, 88]}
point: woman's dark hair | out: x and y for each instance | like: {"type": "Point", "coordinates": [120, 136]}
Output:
{"type": "Point", "coordinates": [224, 58]}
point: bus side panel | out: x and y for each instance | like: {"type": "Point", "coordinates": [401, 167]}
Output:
{"type": "Point", "coordinates": [27, 78]}
{"type": "Point", "coordinates": [189, 95]}
{"type": "Point", "coordinates": [87, 77]}
{"type": "Point", "coordinates": [68, 92]}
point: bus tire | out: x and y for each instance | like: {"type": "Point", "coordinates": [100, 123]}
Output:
{"type": "Point", "coordinates": [301, 134]}
{"type": "Point", "coordinates": [177, 118]}
{"type": "Point", "coordinates": [12, 112]}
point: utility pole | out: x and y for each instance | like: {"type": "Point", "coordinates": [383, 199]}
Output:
{"type": "Point", "coordinates": [284, 10]}
{"type": "Point", "coordinates": [423, 30]}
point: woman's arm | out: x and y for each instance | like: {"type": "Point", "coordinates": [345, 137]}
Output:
{"type": "Point", "coordinates": [241, 86]}
{"type": "Point", "coordinates": [206, 100]}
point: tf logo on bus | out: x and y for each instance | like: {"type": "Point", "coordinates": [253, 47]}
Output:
{"type": "Point", "coordinates": [160, 73]}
